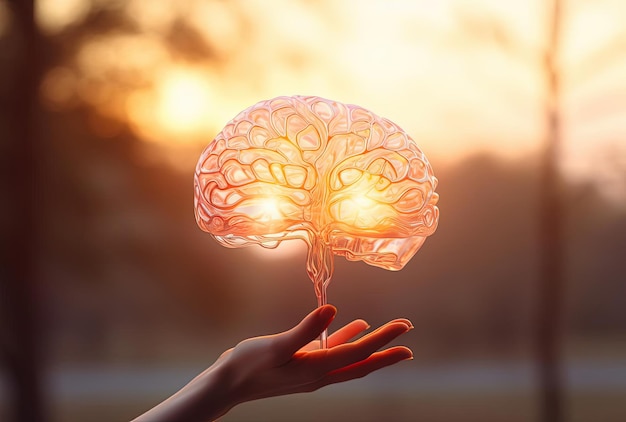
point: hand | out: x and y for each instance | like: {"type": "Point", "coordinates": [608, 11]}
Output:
{"type": "Point", "coordinates": [284, 363]}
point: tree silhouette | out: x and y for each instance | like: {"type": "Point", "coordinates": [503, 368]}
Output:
{"type": "Point", "coordinates": [548, 320]}
{"type": "Point", "coordinates": [21, 297]}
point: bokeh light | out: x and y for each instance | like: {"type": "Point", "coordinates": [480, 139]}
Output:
{"type": "Point", "coordinates": [4, 18]}
{"type": "Point", "coordinates": [55, 15]}
{"type": "Point", "coordinates": [180, 107]}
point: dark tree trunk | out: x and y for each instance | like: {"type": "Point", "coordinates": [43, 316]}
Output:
{"type": "Point", "coordinates": [551, 279]}
{"type": "Point", "coordinates": [19, 308]}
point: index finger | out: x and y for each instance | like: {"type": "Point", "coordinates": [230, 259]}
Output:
{"type": "Point", "coordinates": [289, 342]}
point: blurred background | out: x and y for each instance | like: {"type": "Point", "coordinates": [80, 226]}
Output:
{"type": "Point", "coordinates": [112, 298]}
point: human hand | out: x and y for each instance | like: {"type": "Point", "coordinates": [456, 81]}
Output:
{"type": "Point", "coordinates": [285, 363]}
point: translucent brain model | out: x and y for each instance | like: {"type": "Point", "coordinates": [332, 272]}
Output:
{"type": "Point", "coordinates": [337, 176]}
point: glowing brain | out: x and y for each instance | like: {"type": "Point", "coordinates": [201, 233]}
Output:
{"type": "Point", "coordinates": [343, 179]}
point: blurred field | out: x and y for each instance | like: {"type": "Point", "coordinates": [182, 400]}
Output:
{"type": "Point", "coordinates": [470, 391]}
{"type": "Point", "coordinates": [332, 408]}
{"type": "Point", "coordinates": [432, 407]}
{"type": "Point", "coordinates": [427, 407]}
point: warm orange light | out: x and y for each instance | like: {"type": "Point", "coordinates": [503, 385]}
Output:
{"type": "Point", "coordinates": [178, 109]}
{"type": "Point", "coordinates": [52, 16]}
{"type": "Point", "coordinates": [184, 101]}
{"type": "Point", "coordinates": [337, 176]}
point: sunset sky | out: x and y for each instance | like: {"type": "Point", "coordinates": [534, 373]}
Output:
{"type": "Point", "coordinates": [460, 76]}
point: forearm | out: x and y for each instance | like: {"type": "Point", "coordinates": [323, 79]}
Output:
{"type": "Point", "coordinates": [205, 398]}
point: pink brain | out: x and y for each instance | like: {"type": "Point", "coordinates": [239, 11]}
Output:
{"type": "Point", "coordinates": [319, 170]}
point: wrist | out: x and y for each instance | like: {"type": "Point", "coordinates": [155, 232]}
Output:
{"type": "Point", "coordinates": [212, 393]}
{"type": "Point", "coordinates": [205, 398]}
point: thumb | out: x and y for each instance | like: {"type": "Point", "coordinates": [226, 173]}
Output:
{"type": "Point", "coordinates": [307, 330]}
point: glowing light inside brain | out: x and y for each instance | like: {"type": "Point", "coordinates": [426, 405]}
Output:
{"type": "Point", "coordinates": [337, 176]}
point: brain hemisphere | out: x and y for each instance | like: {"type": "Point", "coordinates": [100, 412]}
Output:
{"type": "Point", "coordinates": [305, 166]}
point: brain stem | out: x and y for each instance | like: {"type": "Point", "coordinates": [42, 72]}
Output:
{"type": "Point", "coordinates": [320, 269]}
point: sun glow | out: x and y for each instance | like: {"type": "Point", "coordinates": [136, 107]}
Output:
{"type": "Point", "coordinates": [184, 101]}
{"type": "Point", "coordinates": [180, 107]}
{"type": "Point", "coordinates": [141, 77]}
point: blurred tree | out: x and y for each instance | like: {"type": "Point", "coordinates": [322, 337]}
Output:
{"type": "Point", "coordinates": [119, 239]}
{"type": "Point", "coordinates": [21, 294]}
{"type": "Point", "coordinates": [551, 293]}
{"type": "Point", "coordinates": [551, 281]}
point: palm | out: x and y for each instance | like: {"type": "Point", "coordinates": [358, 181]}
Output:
{"type": "Point", "coordinates": [292, 362]}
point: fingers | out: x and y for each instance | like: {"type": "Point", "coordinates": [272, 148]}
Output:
{"type": "Point", "coordinates": [347, 354]}
{"type": "Point", "coordinates": [360, 369]}
{"type": "Point", "coordinates": [347, 332]}
{"type": "Point", "coordinates": [342, 335]}
{"type": "Point", "coordinates": [404, 321]}
{"type": "Point", "coordinates": [308, 329]}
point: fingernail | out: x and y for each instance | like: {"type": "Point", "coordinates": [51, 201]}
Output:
{"type": "Point", "coordinates": [328, 312]}
{"type": "Point", "coordinates": [409, 327]}
{"type": "Point", "coordinates": [405, 321]}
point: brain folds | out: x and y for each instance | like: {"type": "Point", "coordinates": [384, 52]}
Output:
{"type": "Point", "coordinates": [311, 168]}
